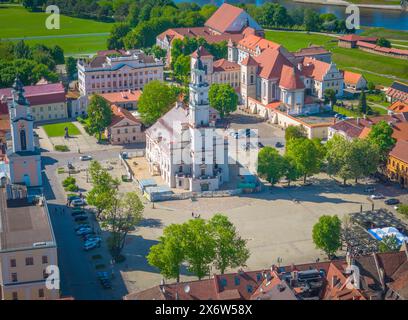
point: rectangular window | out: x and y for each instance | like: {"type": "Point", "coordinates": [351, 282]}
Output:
{"type": "Point", "coordinates": [29, 261]}
{"type": "Point", "coordinates": [41, 293]}
{"type": "Point", "coordinates": [44, 259]}
{"type": "Point", "coordinates": [15, 295]}
{"type": "Point", "coordinates": [14, 277]}
{"type": "Point", "coordinates": [13, 263]}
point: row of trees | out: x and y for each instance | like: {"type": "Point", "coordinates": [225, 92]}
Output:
{"type": "Point", "coordinates": [118, 213]}
{"type": "Point", "coordinates": [347, 159]}
{"type": "Point", "coordinates": [303, 157]}
{"type": "Point", "coordinates": [31, 63]}
{"type": "Point", "coordinates": [200, 245]}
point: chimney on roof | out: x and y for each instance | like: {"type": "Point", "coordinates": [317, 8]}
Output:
{"type": "Point", "coordinates": [300, 66]}
{"type": "Point", "coordinates": [358, 121]}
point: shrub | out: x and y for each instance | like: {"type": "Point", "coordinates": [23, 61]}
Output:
{"type": "Point", "coordinates": [61, 148]}
{"type": "Point", "coordinates": [403, 209]}
{"type": "Point", "coordinates": [71, 188]}
{"type": "Point", "coordinates": [68, 181]}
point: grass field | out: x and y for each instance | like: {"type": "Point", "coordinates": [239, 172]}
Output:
{"type": "Point", "coordinates": [17, 22]}
{"type": "Point", "coordinates": [75, 46]}
{"type": "Point", "coordinates": [386, 33]}
{"type": "Point", "coordinates": [376, 68]}
{"type": "Point", "coordinates": [58, 129]}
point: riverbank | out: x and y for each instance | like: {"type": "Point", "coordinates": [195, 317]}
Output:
{"type": "Point", "coordinates": [346, 3]}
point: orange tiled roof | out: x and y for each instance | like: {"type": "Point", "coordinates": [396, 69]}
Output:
{"type": "Point", "coordinates": [252, 41]}
{"type": "Point", "coordinates": [354, 37]}
{"type": "Point", "coordinates": [314, 68]}
{"type": "Point", "coordinates": [351, 77]}
{"type": "Point", "coordinates": [398, 107]}
{"type": "Point", "coordinates": [203, 52]}
{"type": "Point", "coordinates": [400, 151]}
{"type": "Point", "coordinates": [290, 78]}
{"type": "Point", "coordinates": [225, 65]}
{"type": "Point", "coordinates": [122, 96]}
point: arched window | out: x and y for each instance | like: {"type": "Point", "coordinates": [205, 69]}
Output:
{"type": "Point", "coordinates": [23, 141]}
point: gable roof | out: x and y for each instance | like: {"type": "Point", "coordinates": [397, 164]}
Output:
{"type": "Point", "coordinates": [118, 114]}
{"type": "Point", "coordinates": [249, 61]}
{"type": "Point", "coordinates": [121, 96]}
{"type": "Point", "coordinates": [271, 62]}
{"type": "Point", "coordinates": [314, 68]}
{"type": "Point", "coordinates": [225, 65]}
{"type": "Point", "coordinates": [400, 151]}
{"type": "Point", "coordinates": [223, 17]}
{"type": "Point", "coordinates": [40, 94]}
{"type": "Point", "coordinates": [399, 91]}
{"type": "Point", "coordinates": [351, 77]}
{"type": "Point", "coordinates": [251, 42]}
{"type": "Point", "coordinates": [202, 51]}
{"type": "Point", "coordinates": [290, 79]}
{"type": "Point", "coordinates": [354, 37]}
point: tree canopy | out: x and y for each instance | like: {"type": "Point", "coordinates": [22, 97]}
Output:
{"type": "Point", "coordinates": [326, 234]}
{"type": "Point", "coordinates": [381, 136]}
{"type": "Point", "coordinates": [156, 99]}
{"type": "Point", "coordinates": [271, 164]}
{"type": "Point", "coordinates": [223, 98]}
{"type": "Point", "coordinates": [99, 115]}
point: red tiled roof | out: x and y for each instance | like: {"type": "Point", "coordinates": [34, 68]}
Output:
{"type": "Point", "coordinates": [122, 96]}
{"type": "Point", "coordinates": [251, 42]}
{"type": "Point", "coordinates": [249, 61]}
{"type": "Point", "coordinates": [119, 114]}
{"type": "Point", "coordinates": [225, 65]}
{"type": "Point", "coordinates": [203, 52]}
{"type": "Point", "coordinates": [223, 17]}
{"type": "Point", "coordinates": [271, 62]}
{"type": "Point", "coordinates": [372, 46]}
{"type": "Point", "coordinates": [398, 107]}
{"type": "Point", "coordinates": [354, 37]}
{"type": "Point", "coordinates": [312, 50]}
{"type": "Point", "coordinates": [314, 68]}
{"type": "Point", "coordinates": [41, 94]}
{"type": "Point", "coordinates": [400, 151]}
{"type": "Point", "coordinates": [290, 79]}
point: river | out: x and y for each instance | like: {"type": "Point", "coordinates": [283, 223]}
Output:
{"type": "Point", "coordinates": [389, 19]}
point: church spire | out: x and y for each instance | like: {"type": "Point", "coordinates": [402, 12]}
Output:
{"type": "Point", "coordinates": [18, 89]}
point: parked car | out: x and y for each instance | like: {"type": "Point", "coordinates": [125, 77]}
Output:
{"type": "Point", "coordinates": [82, 226]}
{"type": "Point", "coordinates": [83, 231]}
{"type": "Point", "coordinates": [369, 189]}
{"type": "Point", "coordinates": [73, 197]}
{"type": "Point", "coordinates": [392, 201]}
{"type": "Point", "coordinates": [78, 202]}
{"type": "Point", "coordinates": [98, 240]}
{"type": "Point", "coordinates": [260, 145]}
{"type": "Point", "coordinates": [104, 279]}
{"type": "Point", "coordinates": [77, 213]}
{"type": "Point", "coordinates": [278, 145]}
{"type": "Point", "coordinates": [88, 235]}
{"type": "Point", "coordinates": [81, 217]}
{"type": "Point", "coordinates": [377, 196]}
{"type": "Point", "coordinates": [85, 158]}
{"type": "Point", "coordinates": [91, 237]}
{"type": "Point", "coordinates": [91, 245]}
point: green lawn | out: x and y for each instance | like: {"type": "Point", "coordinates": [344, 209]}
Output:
{"type": "Point", "coordinates": [385, 33]}
{"type": "Point", "coordinates": [17, 22]}
{"type": "Point", "coordinates": [58, 129]}
{"type": "Point", "coordinates": [75, 46]}
{"type": "Point", "coordinates": [348, 59]}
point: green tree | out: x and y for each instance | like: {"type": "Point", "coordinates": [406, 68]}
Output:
{"type": "Point", "coordinates": [58, 54]}
{"type": "Point", "coordinates": [119, 217]}
{"type": "Point", "coordinates": [133, 16]}
{"type": "Point", "coordinates": [389, 244]}
{"type": "Point", "coordinates": [199, 247]}
{"type": "Point", "coordinates": [223, 98]}
{"type": "Point", "coordinates": [381, 136]}
{"type": "Point", "coordinates": [295, 132]}
{"type": "Point", "coordinates": [21, 50]}
{"type": "Point", "coordinates": [168, 255]}
{"type": "Point", "coordinates": [305, 155]}
{"type": "Point", "coordinates": [155, 101]}
{"type": "Point", "coordinates": [403, 209]}
{"type": "Point", "coordinates": [270, 164]}
{"type": "Point", "coordinates": [71, 67]}
{"type": "Point", "coordinates": [362, 104]}
{"type": "Point", "coordinates": [330, 97]}
{"type": "Point", "coordinates": [117, 35]}
{"type": "Point", "coordinates": [311, 20]}
{"type": "Point", "coordinates": [290, 170]}
{"type": "Point", "coordinates": [181, 68]}
{"type": "Point", "coordinates": [99, 115]}
{"type": "Point", "coordinates": [207, 10]}
{"type": "Point", "coordinates": [158, 52]}
{"type": "Point", "coordinates": [337, 157]}
{"type": "Point", "coordinates": [363, 158]}
{"type": "Point", "coordinates": [382, 42]}
{"type": "Point", "coordinates": [230, 248]}
{"type": "Point", "coordinates": [326, 234]}
{"type": "Point", "coordinates": [371, 86]}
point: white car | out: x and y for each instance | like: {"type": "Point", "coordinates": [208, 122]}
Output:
{"type": "Point", "coordinates": [85, 158]}
{"type": "Point", "coordinates": [91, 245]}
{"type": "Point", "coordinates": [78, 202]}
{"type": "Point", "coordinates": [377, 196]}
